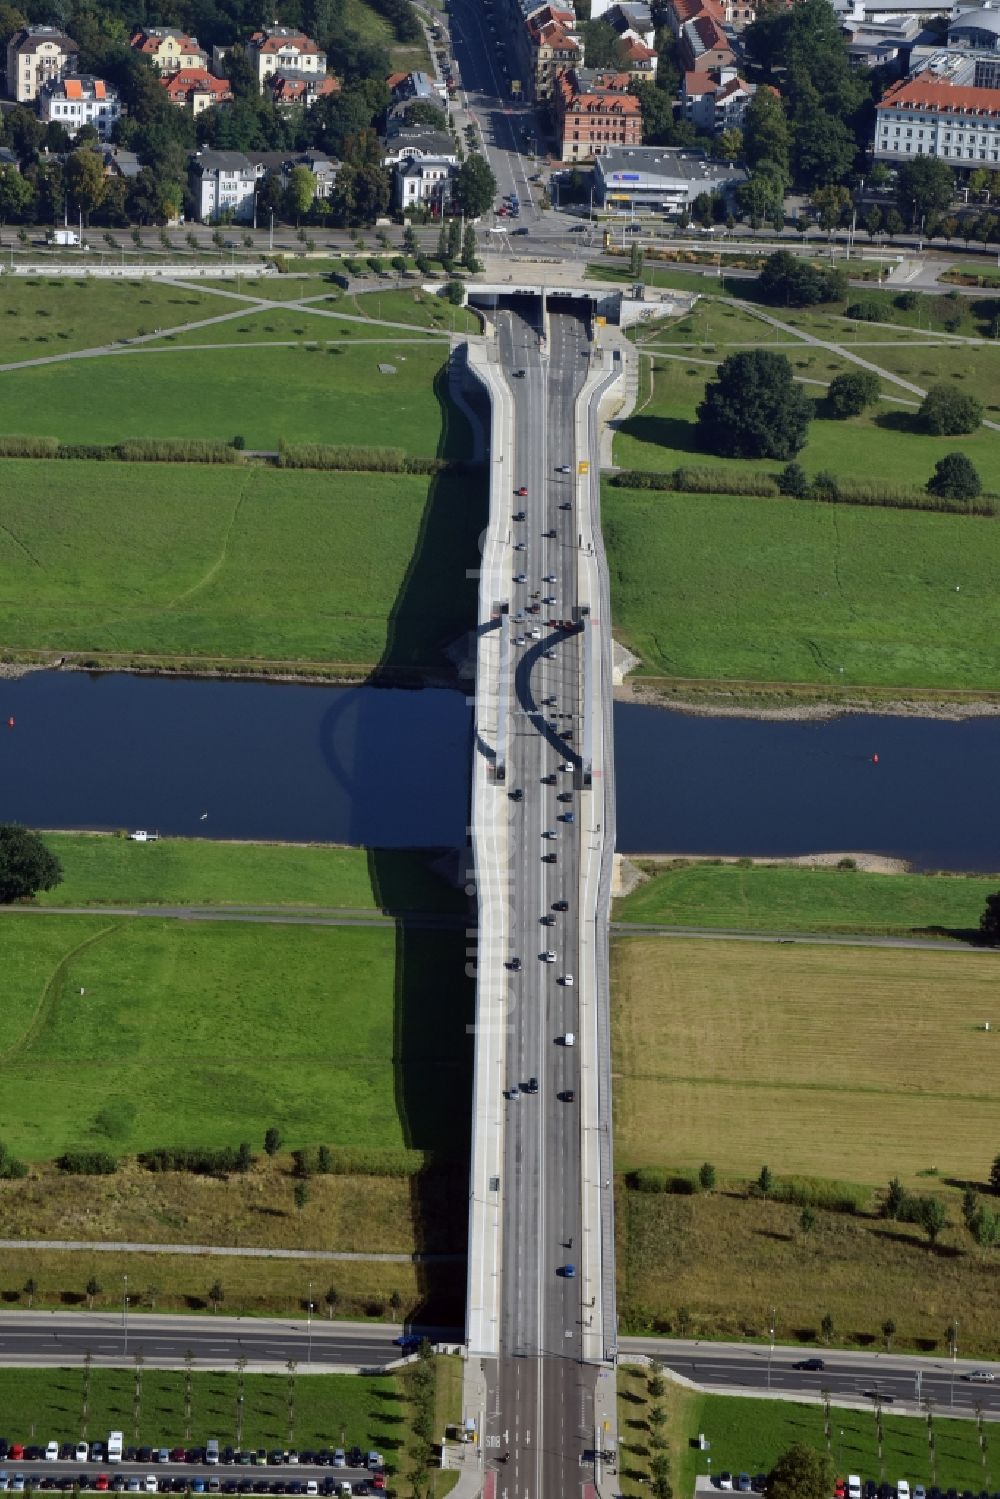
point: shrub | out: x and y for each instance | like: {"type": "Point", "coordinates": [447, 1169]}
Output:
{"type": "Point", "coordinates": [793, 481]}
{"type": "Point", "coordinates": [654, 1179]}
{"type": "Point", "coordinates": [754, 409]}
{"type": "Point", "coordinates": [792, 282]}
{"type": "Point", "coordinates": [955, 478]}
{"type": "Point", "coordinates": [849, 394]}
{"type": "Point", "coordinates": [947, 412]}
{"type": "Point", "coordinates": [87, 1163]}
{"type": "Point", "coordinates": [868, 312]}
{"type": "Point", "coordinates": [699, 481]}
{"type": "Point", "coordinates": [355, 459]}
{"type": "Point", "coordinates": [198, 1161]}
{"type": "Point", "coordinates": [825, 486]}
{"type": "Point", "coordinates": [455, 292]}
{"type": "Point", "coordinates": [906, 301]}
{"type": "Point", "coordinates": [815, 1192]}
{"type": "Point", "coordinates": [239, 442]}
{"type": "Point", "coordinates": [11, 1169]}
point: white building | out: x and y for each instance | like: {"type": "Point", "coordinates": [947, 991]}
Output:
{"type": "Point", "coordinates": [79, 100]}
{"type": "Point", "coordinates": [717, 100]}
{"type": "Point", "coordinates": [283, 49]}
{"type": "Point", "coordinates": [223, 185]}
{"type": "Point", "coordinates": [925, 116]}
{"type": "Point", "coordinates": [423, 182]}
{"type": "Point", "coordinates": [35, 55]}
{"type": "Point", "coordinates": [659, 179]}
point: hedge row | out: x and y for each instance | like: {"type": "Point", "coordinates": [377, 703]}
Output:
{"type": "Point", "coordinates": [201, 1162]}
{"type": "Point", "coordinates": [837, 492]}
{"type": "Point", "coordinates": [135, 450]}
{"type": "Point", "coordinates": [356, 459]}
{"type": "Point", "coordinates": [700, 481]}
{"type": "Point", "coordinates": [87, 1163]}
{"type": "Point", "coordinates": [800, 1191]}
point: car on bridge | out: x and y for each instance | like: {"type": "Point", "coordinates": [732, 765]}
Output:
{"type": "Point", "coordinates": [568, 1272]}
{"type": "Point", "coordinates": [520, 577]}
{"type": "Point", "coordinates": [547, 957]}
{"type": "Point", "coordinates": [519, 515]}
{"type": "Point", "coordinates": [815, 1364]}
{"type": "Point", "coordinates": [521, 491]}
{"type": "Point", "coordinates": [560, 905]}
{"type": "Point", "coordinates": [979, 1376]}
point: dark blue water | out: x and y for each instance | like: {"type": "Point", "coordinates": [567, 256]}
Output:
{"type": "Point", "coordinates": [390, 768]}
{"type": "Point", "coordinates": [387, 768]}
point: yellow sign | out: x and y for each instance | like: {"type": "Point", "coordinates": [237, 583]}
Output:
{"type": "Point", "coordinates": [600, 321]}
{"type": "Point", "coordinates": [583, 467]}
{"type": "Point", "coordinates": [515, 85]}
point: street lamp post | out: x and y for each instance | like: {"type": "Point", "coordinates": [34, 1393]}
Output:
{"type": "Point", "coordinates": [125, 1309]}
{"type": "Point", "coordinates": [309, 1325]}
{"type": "Point", "coordinates": [770, 1350]}
{"type": "Point", "coordinates": [954, 1358]}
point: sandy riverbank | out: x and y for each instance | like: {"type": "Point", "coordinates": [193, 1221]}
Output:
{"type": "Point", "coordinates": [771, 703]}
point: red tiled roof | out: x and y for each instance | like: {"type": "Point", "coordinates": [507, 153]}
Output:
{"type": "Point", "coordinates": [710, 33]}
{"type": "Point", "coordinates": [931, 93]}
{"type": "Point", "coordinates": [268, 44]}
{"type": "Point", "coordinates": [195, 80]}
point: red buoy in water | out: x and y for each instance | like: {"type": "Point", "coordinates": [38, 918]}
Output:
{"type": "Point", "coordinates": [10, 721]}
{"type": "Point", "coordinates": [874, 759]}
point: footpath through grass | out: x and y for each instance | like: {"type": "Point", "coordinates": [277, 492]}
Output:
{"type": "Point", "coordinates": [46, 315]}
{"type": "Point", "coordinates": [240, 563]}
{"type": "Point", "coordinates": [783, 897]}
{"type": "Point", "coordinates": [747, 1435]}
{"type": "Point", "coordinates": [785, 590]}
{"type": "Point", "coordinates": [101, 870]}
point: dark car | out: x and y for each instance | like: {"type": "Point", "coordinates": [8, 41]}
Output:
{"type": "Point", "coordinates": [261, 1486]}
{"type": "Point", "coordinates": [245, 1486]}
{"type": "Point", "coordinates": [517, 795]}
{"type": "Point", "coordinates": [178, 1486]}
{"type": "Point", "coordinates": [144, 1455]}
{"type": "Point", "coordinates": [519, 231]}
{"type": "Point", "coordinates": [131, 1455]}
{"type": "Point", "coordinates": [548, 858]}
{"type": "Point", "coordinates": [568, 1095]}
{"type": "Point", "coordinates": [227, 1455]}
{"type": "Point", "coordinates": [560, 905]}
{"type": "Point", "coordinates": [532, 1085]}
{"type": "Point", "coordinates": [519, 515]}
{"type": "Point", "coordinates": [809, 1363]}
{"type": "Point", "coordinates": [34, 1454]}
{"type": "Point", "coordinates": [229, 1487]}
{"type": "Point", "coordinates": [871, 1489]}
{"type": "Point", "coordinates": [4, 1449]}
{"type": "Point", "coordinates": [196, 1454]}
{"type": "Point", "coordinates": [276, 1458]}
{"type": "Point", "coordinates": [355, 1458]}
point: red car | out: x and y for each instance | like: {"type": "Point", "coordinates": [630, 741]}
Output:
{"type": "Point", "coordinates": [840, 1489]}
{"type": "Point", "coordinates": [522, 491]}
{"type": "Point", "coordinates": [102, 1483]}
{"type": "Point", "coordinates": [378, 1480]}
{"type": "Point", "coordinates": [179, 1455]}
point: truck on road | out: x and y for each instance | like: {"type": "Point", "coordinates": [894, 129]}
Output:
{"type": "Point", "coordinates": [64, 237]}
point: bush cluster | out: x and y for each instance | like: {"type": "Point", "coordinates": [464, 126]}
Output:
{"type": "Point", "coordinates": [87, 1163]}
{"type": "Point", "coordinates": [695, 480]}
{"type": "Point", "coordinates": [11, 1169]}
{"type": "Point", "coordinates": [134, 450]}
{"type": "Point", "coordinates": [223, 1161]}
{"type": "Point", "coordinates": [792, 282]}
{"type": "Point", "coordinates": [356, 459]}
{"type": "Point", "coordinates": [655, 1179]}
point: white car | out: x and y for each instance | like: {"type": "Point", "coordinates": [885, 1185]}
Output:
{"type": "Point", "coordinates": [979, 1376]}
{"type": "Point", "coordinates": [312, 1487]}
{"type": "Point", "coordinates": [535, 634]}
{"type": "Point", "coordinates": [549, 578]}
{"type": "Point", "coordinates": [520, 577]}
{"type": "Point", "coordinates": [52, 1452]}
{"type": "Point", "coordinates": [152, 1484]}
{"type": "Point", "coordinates": [549, 833]}
{"type": "Point", "coordinates": [548, 957]}
{"type": "Point", "coordinates": [903, 1489]}
{"type": "Point", "coordinates": [82, 1452]}
{"type": "Point", "coordinates": [853, 1486]}
{"type": "Point", "coordinates": [563, 468]}
{"type": "Point", "coordinates": [567, 980]}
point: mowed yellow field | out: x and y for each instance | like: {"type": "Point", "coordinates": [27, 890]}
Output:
{"type": "Point", "coordinates": [859, 1063]}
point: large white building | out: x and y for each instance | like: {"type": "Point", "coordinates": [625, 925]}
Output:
{"type": "Point", "coordinates": [659, 179]}
{"type": "Point", "coordinates": [283, 49]}
{"type": "Point", "coordinates": [949, 106]}
{"type": "Point", "coordinates": [223, 185]}
{"type": "Point", "coordinates": [35, 55]}
{"type": "Point", "coordinates": [78, 100]}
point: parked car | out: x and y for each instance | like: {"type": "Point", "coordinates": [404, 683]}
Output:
{"type": "Point", "coordinates": [726, 1481]}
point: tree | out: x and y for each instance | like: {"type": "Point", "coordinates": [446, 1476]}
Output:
{"type": "Point", "coordinates": [832, 205]}
{"type": "Point", "coordinates": [888, 1332]}
{"type": "Point", "coordinates": [766, 133]}
{"type": "Point", "coordinates": [601, 44]}
{"type": "Point", "coordinates": [299, 193]}
{"type": "Point", "coordinates": [765, 1181]}
{"type": "Point", "coordinates": [807, 1220]}
{"type": "Point", "coordinates": [849, 394]}
{"type": "Point", "coordinates": [895, 1199]}
{"type": "Point", "coordinates": [826, 1328]}
{"type": "Point", "coordinates": [801, 1473]}
{"type": "Point", "coordinates": [754, 409]}
{"type": "Point", "coordinates": [706, 1176]}
{"type": "Point", "coordinates": [955, 478]}
{"type": "Point", "coordinates": [995, 1168]}
{"type": "Point", "coordinates": [469, 250]}
{"type": "Point", "coordinates": [272, 1140]}
{"type": "Point", "coordinates": [933, 1217]}
{"type": "Point", "coordinates": [729, 145]}
{"type": "Point", "coordinates": [16, 196]}
{"type": "Point", "coordinates": [301, 1194]}
{"type": "Point", "coordinates": [93, 1289]}
{"type": "Point", "coordinates": [475, 186]}
{"type": "Point", "coordinates": [924, 185]}
{"type": "Point", "coordinates": [791, 282]}
{"type": "Point", "coordinates": [331, 1298]}
{"type": "Point", "coordinates": [794, 481]}
{"type": "Point", "coordinates": [26, 865]}
{"type": "Point", "coordinates": [948, 412]}
{"type": "Point", "coordinates": [30, 1288]}
{"type": "Point", "coordinates": [455, 293]}
{"type": "Point", "coordinates": [657, 110]}
{"type": "Point", "coordinates": [893, 223]}
{"type": "Point", "coordinates": [83, 174]}
{"type": "Point", "coordinates": [216, 1295]}
{"type": "Point", "coordinates": [454, 239]}
{"type": "Point", "coordinates": [423, 113]}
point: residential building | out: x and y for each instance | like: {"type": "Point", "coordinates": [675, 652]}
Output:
{"type": "Point", "coordinates": [415, 88]}
{"type": "Point", "coordinates": [419, 142]}
{"type": "Point", "coordinates": [594, 111]}
{"type": "Point", "coordinates": [886, 44]}
{"type": "Point", "coordinates": [280, 164]}
{"type": "Point", "coordinates": [196, 89]}
{"type": "Point", "coordinates": [927, 115]}
{"type": "Point", "coordinates": [727, 14]}
{"type": "Point", "coordinates": [117, 162]}
{"type": "Point", "coordinates": [168, 50]}
{"type": "Point", "coordinates": [79, 99]}
{"type": "Point", "coordinates": [626, 17]}
{"type": "Point", "coordinates": [660, 179]}
{"type": "Point", "coordinates": [549, 45]}
{"type": "Point", "coordinates": [223, 185]}
{"type": "Point", "coordinates": [287, 88]}
{"type": "Point", "coordinates": [704, 45]}
{"type": "Point", "coordinates": [280, 49]}
{"type": "Point", "coordinates": [35, 55]}
{"type": "Point", "coordinates": [717, 100]}
{"type": "Point", "coordinates": [639, 60]}
{"type": "Point", "coordinates": [423, 182]}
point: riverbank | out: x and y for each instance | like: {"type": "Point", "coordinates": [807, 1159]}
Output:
{"type": "Point", "coordinates": [802, 702]}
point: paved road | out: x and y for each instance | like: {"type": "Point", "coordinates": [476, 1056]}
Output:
{"type": "Point", "coordinates": [808, 939]}
{"type": "Point", "coordinates": [719, 1366]}
{"type": "Point", "coordinates": [63, 1338]}
{"type": "Point", "coordinates": [276, 915]}
{"type": "Point", "coordinates": [227, 1251]}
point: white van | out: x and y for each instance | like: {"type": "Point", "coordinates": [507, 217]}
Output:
{"type": "Point", "coordinates": [116, 1442]}
{"type": "Point", "coordinates": [212, 1450]}
{"type": "Point", "coordinates": [853, 1486]}
{"type": "Point", "coordinates": [569, 1039]}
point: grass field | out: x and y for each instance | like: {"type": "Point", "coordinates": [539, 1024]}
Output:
{"type": "Point", "coordinates": [663, 435]}
{"type": "Point", "coordinates": [236, 563]}
{"type": "Point", "coordinates": [715, 1265]}
{"type": "Point", "coordinates": [44, 1402]}
{"type": "Point", "coordinates": [787, 898]}
{"type": "Point", "coordinates": [268, 326]}
{"type": "Point", "coordinates": [748, 1435]}
{"type": "Point", "coordinates": [418, 307]}
{"type": "Point", "coordinates": [301, 395]}
{"type": "Point", "coordinates": [872, 591]}
{"type": "Point", "coordinates": [208, 1034]}
{"type": "Point", "coordinates": [743, 1053]}
{"type": "Point", "coordinates": [99, 870]}
{"type": "Point", "coordinates": [46, 315]}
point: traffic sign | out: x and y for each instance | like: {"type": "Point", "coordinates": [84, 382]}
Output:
{"type": "Point", "coordinates": [583, 467]}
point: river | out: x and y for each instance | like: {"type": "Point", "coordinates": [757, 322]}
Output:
{"type": "Point", "coordinates": [389, 767]}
